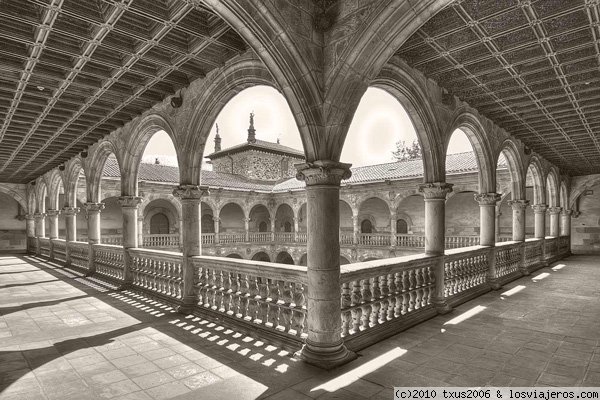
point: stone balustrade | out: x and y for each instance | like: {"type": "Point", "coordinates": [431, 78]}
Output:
{"type": "Point", "coordinates": [158, 272]}
{"type": "Point", "coordinates": [550, 248]}
{"type": "Point", "coordinates": [257, 294]}
{"type": "Point", "coordinates": [380, 296]}
{"type": "Point", "coordinates": [455, 242]}
{"type": "Point", "coordinates": [161, 240]}
{"type": "Point", "coordinates": [59, 249]}
{"type": "Point", "coordinates": [284, 237]}
{"type": "Point", "coordinates": [79, 254]}
{"type": "Point", "coordinates": [44, 246]}
{"type": "Point", "coordinates": [115, 240]}
{"type": "Point", "coordinates": [465, 271]}
{"type": "Point", "coordinates": [228, 238]}
{"type": "Point", "coordinates": [108, 260]}
{"type": "Point", "coordinates": [259, 237]}
{"type": "Point", "coordinates": [509, 256]}
{"type": "Point", "coordinates": [533, 254]}
{"type": "Point", "coordinates": [374, 239]}
{"type": "Point", "coordinates": [302, 237]}
{"type": "Point", "coordinates": [412, 241]}
{"type": "Point", "coordinates": [207, 238]}
{"type": "Point", "coordinates": [346, 238]}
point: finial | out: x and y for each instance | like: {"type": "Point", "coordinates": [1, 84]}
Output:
{"type": "Point", "coordinates": [251, 130]}
{"type": "Point", "coordinates": [217, 126]}
{"type": "Point", "coordinates": [217, 140]}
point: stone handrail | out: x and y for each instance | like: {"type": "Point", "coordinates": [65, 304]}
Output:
{"type": "Point", "coordinates": [374, 239]}
{"type": "Point", "coordinates": [382, 294]}
{"type": "Point", "coordinates": [285, 237]}
{"type": "Point", "coordinates": [109, 261]}
{"type": "Point", "coordinates": [533, 253]}
{"type": "Point", "coordinates": [156, 271]}
{"type": "Point", "coordinates": [161, 240]}
{"type": "Point", "coordinates": [465, 269]}
{"type": "Point", "coordinates": [208, 238]}
{"type": "Point", "coordinates": [455, 242]}
{"type": "Point", "coordinates": [44, 246]}
{"type": "Point", "coordinates": [265, 295]}
{"type": "Point", "coordinates": [550, 247]}
{"type": "Point", "coordinates": [59, 249]}
{"type": "Point", "coordinates": [508, 258]}
{"type": "Point", "coordinates": [259, 237]}
{"type": "Point", "coordinates": [404, 240]}
{"type": "Point", "coordinates": [79, 254]}
{"type": "Point", "coordinates": [232, 237]}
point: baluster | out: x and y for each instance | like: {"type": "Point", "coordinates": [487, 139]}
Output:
{"type": "Point", "coordinates": [244, 296]}
{"type": "Point", "coordinates": [385, 292]}
{"type": "Point", "coordinates": [420, 291]}
{"type": "Point", "coordinates": [346, 301]}
{"type": "Point", "coordinates": [253, 299]}
{"type": "Point", "coordinates": [376, 306]}
{"type": "Point", "coordinates": [367, 297]}
{"type": "Point", "coordinates": [412, 294]}
{"type": "Point", "coordinates": [263, 292]}
{"type": "Point", "coordinates": [286, 312]}
{"type": "Point", "coordinates": [299, 302]}
{"type": "Point", "coordinates": [356, 299]}
{"type": "Point", "coordinates": [235, 293]}
{"type": "Point", "coordinates": [274, 294]}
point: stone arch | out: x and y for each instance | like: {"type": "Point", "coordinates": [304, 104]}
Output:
{"type": "Point", "coordinates": [97, 157]}
{"type": "Point", "coordinates": [378, 213]}
{"type": "Point", "coordinates": [31, 199]}
{"type": "Point", "coordinates": [207, 218]}
{"type": "Point", "coordinates": [515, 168]}
{"type": "Point", "coordinates": [539, 183]}
{"type": "Point", "coordinates": [73, 169]}
{"type": "Point", "coordinates": [552, 187]}
{"type": "Point", "coordinates": [259, 214]}
{"type": "Point", "coordinates": [303, 260]}
{"type": "Point", "coordinates": [234, 255]}
{"type": "Point", "coordinates": [580, 187]}
{"type": "Point", "coordinates": [284, 215]}
{"type": "Point", "coordinates": [564, 196]}
{"type": "Point", "coordinates": [469, 123]}
{"type": "Point", "coordinates": [397, 81]}
{"type": "Point", "coordinates": [283, 257]}
{"type": "Point", "coordinates": [243, 72]}
{"type": "Point", "coordinates": [168, 208]}
{"type": "Point", "coordinates": [346, 215]}
{"type": "Point", "coordinates": [54, 182]}
{"type": "Point", "coordinates": [167, 197]}
{"type": "Point", "coordinates": [24, 201]}
{"type": "Point", "coordinates": [41, 191]}
{"type": "Point", "coordinates": [231, 217]}
{"type": "Point", "coordinates": [141, 132]}
{"type": "Point", "coordinates": [261, 255]}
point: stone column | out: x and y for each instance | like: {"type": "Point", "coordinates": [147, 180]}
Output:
{"type": "Point", "coordinates": [93, 211]}
{"type": "Point", "coordinates": [554, 215]}
{"type": "Point", "coordinates": [71, 222]}
{"type": "Point", "coordinates": [435, 222]}
{"type": "Point", "coordinates": [324, 345]}
{"type": "Point", "coordinates": [295, 229]}
{"type": "Point", "coordinates": [393, 217]}
{"type": "Point", "coordinates": [273, 230]}
{"type": "Point", "coordinates": [190, 197]}
{"type": "Point", "coordinates": [216, 220]}
{"type": "Point", "coordinates": [539, 211]}
{"type": "Point", "coordinates": [498, 215]}
{"type": "Point", "coordinates": [355, 229]}
{"type": "Point", "coordinates": [487, 217]}
{"type": "Point", "coordinates": [247, 229]}
{"type": "Point", "coordinates": [129, 208]}
{"type": "Point", "coordinates": [565, 222]}
{"type": "Point", "coordinates": [53, 221]}
{"type": "Point", "coordinates": [40, 224]}
{"type": "Point", "coordinates": [140, 231]}
{"type": "Point", "coordinates": [518, 207]}
{"type": "Point", "coordinates": [30, 231]}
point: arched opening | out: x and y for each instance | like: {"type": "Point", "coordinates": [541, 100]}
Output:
{"type": "Point", "coordinates": [207, 221]}
{"type": "Point", "coordinates": [261, 256]}
{"type": "Point", "coordinates": [234, 255]}
{"type": "Point", "coordinates": [462, 220]}
{"type": "Point", "coordinates": [263, 227]}
{"type": "Point", "coordinates": [302, 218]}
{"type": "Point", "coordinates": [401, 226]}
{"type": "Point", "coordinates": [509, 186]}
{"type": "Point", "coordinates": [287, 226]}
{"type": "Point", "coordinates": [284, 258]}
{"type": "Point", "coordinates": [231, 219]}
{"type": "Point", "coordinates": [534, 193]}
{"type": "Point", "coordinates": [12, 232]}
{"type": "Point", "coordinates": [585, 229]}
{"type": "Point", "coordinates": [284, 218]}
{"type": "Point", "coordinates": [411, 209]}
{"type": "Point", "coordinates": [260, 219]}
{"type": "Point", "coordinates": [346, 223]}
{"type": "Point", "coordinates": [112, 221]}
{"type": "Point", "coordinates": [374, 219]}
{"type": "Point", "coordinates": [108, 191]}
{"type": "Point", "coordinates": [159, 224]}
{"type": "Point", "coordinates": [366, 226]}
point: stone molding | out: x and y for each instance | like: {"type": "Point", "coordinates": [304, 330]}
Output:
{"type": "Point", "coordinates": [94, 207]}
{"type": "Point", "coordinates": [39, 216]}
{"type": "Point", "coordinates": [435, 190]}
{"type": "Point", "coordinates": [566, 212]}
{"type": "Point", "coordinates": [53, 213]}
{"type": "Point", "coordinates": [487, 199]}
{"type": "Point", "coordinates": [70, 211]}
{"type": "Point", "coordinates": [518, 204]}
{"type": "Point", "coordinates": [539, 208]}
{"type": "Point", "coordinates": [554, 210]}
{"type": "Point", "coordinates": [130, 201]}
{"type": "Point", "coordinates": [29, 216]}
{"type": "Point", "coordinates": [323, 172]}
{"type": "Point", "coordinates": [190, 192]}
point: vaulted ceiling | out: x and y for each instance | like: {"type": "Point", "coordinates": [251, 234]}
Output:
{"type": "Point", "coordinates": [72, 71]}
{"type": "Point", "coordinates": [532, 66]}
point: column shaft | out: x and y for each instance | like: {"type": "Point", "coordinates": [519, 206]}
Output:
{"type": "Point", "coordinates": [518, 207]}
{"type": "Point", "coordinates": [487, 217]}
{"type": "Point", "coordinates": [540, 220]}
{"type": "Point", "coordinates": [40, 224]}
{"type": "Point", "coordinates": [129, 208]}
{"type": "Point", "coordinates": [53, 222]}
{"type": "Point", "coordinates": [565, 222]}
{"type": "Point", "coordinates": [554, 220]}
{"type": "Point", "coordinates": [71, 222]}
{"type": "Point", "coordinates": [93, 221]}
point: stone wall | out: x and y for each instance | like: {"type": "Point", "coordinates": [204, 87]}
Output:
{"type": "Point", "coordinates": [12, 230]}
{"type": "Point", "coordinates": [585, 229]}
{"type": "Point", "coordinates": [258, 165]}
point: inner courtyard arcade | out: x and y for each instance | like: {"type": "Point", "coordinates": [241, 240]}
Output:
{"type": "Point", "coordinates": [294, 247]}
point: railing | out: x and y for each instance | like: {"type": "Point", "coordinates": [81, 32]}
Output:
{"type": "Point", "coordinates": [564, 245]}
{"type": "Point", "coordinates": [455, 242]}
{"type": "Point", "coordinates": [266, 295]}
{"type": "Point", "coordinates": [346, 238]}
{"type": "Point", "coordinates": [79, 253]}
{"type": "Point", "coordinates": [374, 239]}
{"type": "Point", "coordinates": [115, 240]}
{"type": "Point", "coordinates": [384, 292]}
{"type": "Point", "coordinates": [285, 237]}
{"type": "Point", "coordinates": [59, 249]}
{"type": "Point", "coordinates": [550, 247]}
{"type": "Point", "coordinates": [508, 258]}
{"type": "Point", "coordinates": [44, 246]}
{"type": "Point", "coordinates": [232, 237]}
{"type": "Point", "coordinates": [159, 272]}
{"type": "Point", "coordinates": [505, 239]}
{"type": "Point", "coordinates": [403, 240]}
{"type": "Point", "coordinates": [533, 253]}
{"type": "Point", "coordinates": [208, 238]}
{"type": "Point", "coordinates": [302, 237]}
{"type": "Point", "coordinates": [108, 260]}
{"type": "Point", "coordinates": [465, 269]}
{"type": "Point", "coordinates": [259, 237]}
{"type": "Point", "coordinates": [162, 240]}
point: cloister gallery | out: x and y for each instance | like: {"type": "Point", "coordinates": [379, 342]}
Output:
{"type": "Point", "coordinates": [293, 245]}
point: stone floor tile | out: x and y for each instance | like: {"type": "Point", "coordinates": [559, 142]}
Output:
{"type": "Point", "coordinates": [117, 389]}
{"type": "Point", "coordinates": [168, 390]}
{"type": "Point", "coordinates": [136, 370]}
{"type": "Point", "coordinates": [153, 379]}
{"type": "Point", "coordinates": [202, 379]}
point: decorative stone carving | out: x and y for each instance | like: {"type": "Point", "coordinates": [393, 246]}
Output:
{"type": "Point", "coordinates": [93, 207]}
{"type": "Point", "coordinates": [518, 204]}
{"type": "Point", "coordinates": [52, 213]}
{"type": "Point", "coordinates": [39, 216]}
{"type": "Point", "coordinates": [190, 192]}
{"type": "Point", "coordinates": [554, 210]}
{"type": "Point", "coordinates": [130, 201]}
{"type": "Point", "coordinates": [69, 211]}
{"type": "Point", "coordinates": [566, 212]}
{"type": "Point", "coordinates": [435, 190]}
{"type": "Point", "coordinates": [323, 172]}
{"type": "Point", "coordinates": [539, 208]}
{"type": "Point", "coordinates": [487, 199]}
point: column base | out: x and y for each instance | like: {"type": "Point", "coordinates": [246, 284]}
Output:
{"type": "Point", "coordinates": [124, 286]}
{"type": "Point", "coordinates": [186, 306]}
{"type": "Point", "coordinates": [326, 357]}
{"type": "Point", "coordinates": [442, 307]}
{"type": "Point", "coordinates": [495, 284]}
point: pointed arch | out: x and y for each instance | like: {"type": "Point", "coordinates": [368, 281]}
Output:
{"type": "Point", "coordinates": [515, 168]}
{"type": "Point", "coordinates": [54, 181]}
{"type": "Point", "coordinates": [98, 155]}
{"type": "Point", "coordinates": [539, 183]}
{"type": "Point", "coordinates": [73, 169]}
{"type": "Point", "coordinates": [552, 187]}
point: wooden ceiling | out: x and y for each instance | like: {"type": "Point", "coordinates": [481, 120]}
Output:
{"type": "Point", "coordinates": [72, 71]}
{"type": "Point", "coordinates": [533, 67]}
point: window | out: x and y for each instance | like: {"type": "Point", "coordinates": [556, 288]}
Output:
{"type": "Point", "coordinates": [401, 226]}
{"type": "Point", "coordinates": [287, 226]}
{"type": "Point", "coordinates": [262, 227]}
{"type": "Point", "coordinates": [366, 226]}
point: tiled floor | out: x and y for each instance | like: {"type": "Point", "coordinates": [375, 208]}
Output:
{"type": "Point", "coordinates": [67, 337]}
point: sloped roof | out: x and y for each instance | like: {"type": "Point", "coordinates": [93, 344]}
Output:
{"type": "Point", "coordinates": [260, 145]}
{"type": "Point", "coordinates": [459, 163]}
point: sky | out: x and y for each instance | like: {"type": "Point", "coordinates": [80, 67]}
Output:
{"type": "Point", "coordinates": [379, 122]}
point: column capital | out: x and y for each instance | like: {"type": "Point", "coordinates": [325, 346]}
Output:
{"type": "Point", "coordinates": [39, 216]}
{"type": "Point", "coordinates": [565, 212]}
{"type": "Point", "coordinates": [52, 212]}
{"type": "Point", "coordinates": [576, 214]}
{"type": "Point", "coordinates": [246, 220]}
{"type": "Point", "coordinates": [518, 204]}
{"type": "Point", "coordinates": [29, 216]}
{"type": "Point", "coordinates": [130, 201]}
{"type": "Point", "coordinates": [554, 210]}
{"type": "Point", "coordinates": [435, 190]}
{"type": "Point", "coordinates": [216, 219]}
{"type": "Point", "coordinates": [323, 172]}
{"type": "Point", "coordinates": [94, 207]}
{"type": "Point", "coordinates": [487, 199]}
{"type": "Point", "coordinates": [539, 208]}
{"type": "Point", "coordinates": [69, 211]}
{"type": "Point", "coordinates": [190, 192]}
